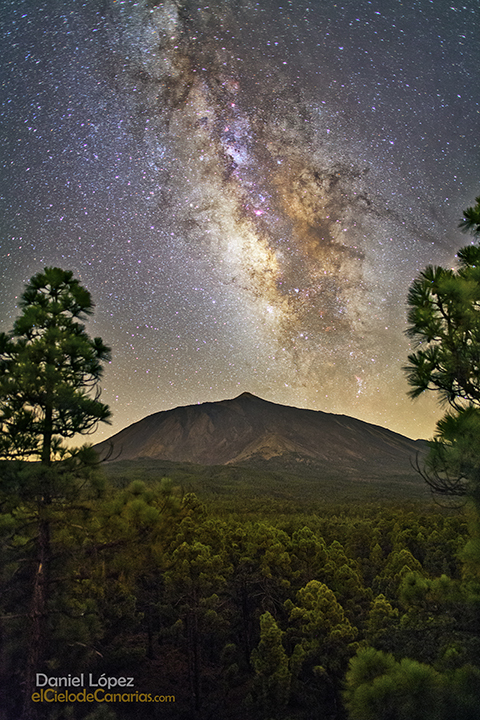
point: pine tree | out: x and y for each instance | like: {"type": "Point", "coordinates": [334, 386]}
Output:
{"type": "Point", "coordinates": [270, 662]}
{"type": "Point", "coordinates": [378, 687]}
{"type": "Point", "coordinates": [49, 369]}
{"type": "Point", "coordinates": [49, 374]}
{"type": "Point", "coordinates": [444, 323]}
{"type": "Point", "coordinates": [471, 219]}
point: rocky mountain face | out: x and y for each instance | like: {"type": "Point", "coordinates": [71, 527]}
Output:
{"type": "Point", "coordinates": [249, 430]}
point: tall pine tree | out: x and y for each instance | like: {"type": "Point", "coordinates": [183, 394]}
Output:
{"type": "Point", "coordinates": [49, 374]}
{"type": "Point", "coordinates": [49, 369]}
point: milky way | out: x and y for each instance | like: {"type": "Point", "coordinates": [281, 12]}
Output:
{"type": "Point", "coordinates": [247, 189]}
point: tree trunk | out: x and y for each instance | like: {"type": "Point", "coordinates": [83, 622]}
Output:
{"type": "Point", "coordinates": [47, 435]}
{"type": "Point", "coordinates": [37, 616]}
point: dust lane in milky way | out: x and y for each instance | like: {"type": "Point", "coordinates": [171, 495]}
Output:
{"type": "Point", "coordinates": [247, 190]}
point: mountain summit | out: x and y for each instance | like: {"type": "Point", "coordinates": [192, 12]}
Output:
{"type": "Point", "coordinates": [249, 430]}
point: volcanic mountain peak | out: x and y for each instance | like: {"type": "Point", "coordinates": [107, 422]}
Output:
{"type": "Point", "coordinates": [246, 395]}
{"type": "Point", "coordinates": [248, 429]}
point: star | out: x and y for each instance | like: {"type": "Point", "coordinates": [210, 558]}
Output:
{"type": "Point", "coordinates": [247, 191]}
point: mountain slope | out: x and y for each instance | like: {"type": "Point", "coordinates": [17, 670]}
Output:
{"type": "Point", "coordinates": [249, 430]}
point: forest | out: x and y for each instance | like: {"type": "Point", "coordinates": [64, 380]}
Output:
{"type": "Point", "coordinates": [249, 613]}
{"type": "Point", "coordinates": [126, 595]}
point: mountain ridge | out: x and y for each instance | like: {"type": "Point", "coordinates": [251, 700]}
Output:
{"type": "Point", "coordinates": [248, 429]}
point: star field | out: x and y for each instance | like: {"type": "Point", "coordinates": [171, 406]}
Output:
{"type": "Point", "coordinates": [247, 189]}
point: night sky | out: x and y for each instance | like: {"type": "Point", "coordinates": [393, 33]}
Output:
{"type": "Point", "coordinates": [246, 188]}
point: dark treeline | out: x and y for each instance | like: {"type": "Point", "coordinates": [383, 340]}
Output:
{"type": "Point", "coordinates": [342, 612]}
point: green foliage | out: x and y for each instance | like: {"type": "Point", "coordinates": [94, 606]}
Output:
{"type": "Point", "coordinates": [247, 490]}
{"type": "Point", "coordinates": [318, 630]}
{"type": "Point", "coordinates": [381, 619]}
{"type": "Point", "coordinates": [49, 369]}
{"type": "Point", "coordinates": [366, 666]}
{"type": "Point", "coordinates": [49, 374]}
{"type": "Point", "coordinates": [444, 323]}
{"type": "Point", "coordinates": [231, 614]}
{"type": "Point", "coordinates": [455, 453]}
{"type": "Point", "coordinates": [471, 219]}
{"type": "Point", "coordinates": [270, 663]}
{"type": "Point", "coordinates": [380, 688]}
{"type": "Point", "coordinates": [319, 638]}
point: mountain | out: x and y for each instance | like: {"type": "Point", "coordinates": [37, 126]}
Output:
{"type": "Point", "coordinates": [249, 431]}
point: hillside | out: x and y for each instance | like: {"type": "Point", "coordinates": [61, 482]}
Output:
{"type": "Point", "coordinates": [250, 432]}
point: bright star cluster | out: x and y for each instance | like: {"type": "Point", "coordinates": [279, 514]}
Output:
{"type": "Point", "coordinates": [247, 189]}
